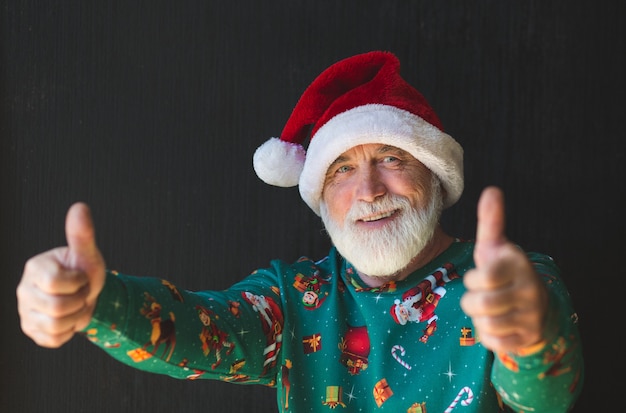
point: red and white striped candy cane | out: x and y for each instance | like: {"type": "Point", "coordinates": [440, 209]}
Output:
{"type": "Point", "coordinates": [466, 402]}
{"type": "Point", "coordinates": [398, 359]}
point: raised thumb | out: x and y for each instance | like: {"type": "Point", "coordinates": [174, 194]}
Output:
{"type": "Point", "coordinates": [491, 223]}
{"type": "Point", "coordinates": [81, 237]}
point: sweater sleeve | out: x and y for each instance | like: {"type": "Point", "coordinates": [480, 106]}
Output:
{"type": "Point", "coordinates": [548, 377]}
{"type": "Point", "coordinates": [150, 324]}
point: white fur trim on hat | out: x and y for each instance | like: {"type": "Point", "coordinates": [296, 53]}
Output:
{"type": "Point", "coordinates": [383, 124]}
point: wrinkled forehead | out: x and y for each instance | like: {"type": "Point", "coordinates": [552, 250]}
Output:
{"type": "Point", "coordinates": [371, 149]}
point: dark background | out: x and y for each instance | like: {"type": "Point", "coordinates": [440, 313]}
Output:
{"type": "Point", "coordinates": [151, 111]}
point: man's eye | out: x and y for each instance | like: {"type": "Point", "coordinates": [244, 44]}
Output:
{"type": "Point", "coordinates": [388, 159]}
{"type": "Point", "coordinates": [343, 169]}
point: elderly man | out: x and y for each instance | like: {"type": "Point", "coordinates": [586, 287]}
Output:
{"type": "Point", "coordinates": [399, 317]}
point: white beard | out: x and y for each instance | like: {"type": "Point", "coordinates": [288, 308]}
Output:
{"type": "Point", "coordinates": [387, 251]}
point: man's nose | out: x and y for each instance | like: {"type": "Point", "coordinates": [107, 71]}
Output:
{"type": "Point", "coordinates": [370, 185]}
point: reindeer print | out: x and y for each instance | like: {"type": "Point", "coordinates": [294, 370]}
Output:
{"type": "Point", "coordinates": [163, 331]}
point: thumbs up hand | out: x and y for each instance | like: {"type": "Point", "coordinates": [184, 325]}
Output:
{"type": "Point", "coordinates": [59, 288]}
{"type": "Point", "coordinates": [505, 297]}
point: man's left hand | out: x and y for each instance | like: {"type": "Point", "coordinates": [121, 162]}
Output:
{"type": "Point", "coordinates": [505, 297]}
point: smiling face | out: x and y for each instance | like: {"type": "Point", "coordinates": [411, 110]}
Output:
{"type": "Point", "coordinates": [380, 207]}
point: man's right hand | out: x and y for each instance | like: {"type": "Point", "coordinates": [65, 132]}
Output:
{"type": "Point", "coordinates": [59, 288]}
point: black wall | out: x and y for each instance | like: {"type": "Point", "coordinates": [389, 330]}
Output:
{"type": "Point", "coordinates": [151, 114]}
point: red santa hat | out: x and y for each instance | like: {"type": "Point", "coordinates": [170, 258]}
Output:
{"type": "Point", "coordinates": [358, 100]}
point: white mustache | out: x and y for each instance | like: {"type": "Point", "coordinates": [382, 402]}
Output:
{"type": "Point", "coordinates": [381, 208]}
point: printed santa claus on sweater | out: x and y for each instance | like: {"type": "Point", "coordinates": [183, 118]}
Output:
{"type": "Point", "coordinates": [272, 321]}
{"type": "Point", "coordinates": [418, 304]}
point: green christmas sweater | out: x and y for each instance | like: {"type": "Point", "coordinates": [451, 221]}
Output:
{"type": "Point", "coordinates": [325, 340]}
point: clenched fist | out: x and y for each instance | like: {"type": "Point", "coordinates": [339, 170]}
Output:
{"type": "Point", "coordinates": [505, 297]}
{"type": "Point", "coordinates": [59, 288]}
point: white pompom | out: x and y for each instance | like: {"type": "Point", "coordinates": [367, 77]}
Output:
{"type": "Point", "coordinates": [279, 163]}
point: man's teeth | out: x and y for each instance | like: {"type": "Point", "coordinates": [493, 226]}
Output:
{"type": "Point", "coordinates": [377, 217]}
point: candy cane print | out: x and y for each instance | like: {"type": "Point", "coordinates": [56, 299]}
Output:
{"type": "Point", "coordinates": [398, 359]}
{"type": "Point", "coordinates": [466, 402]}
